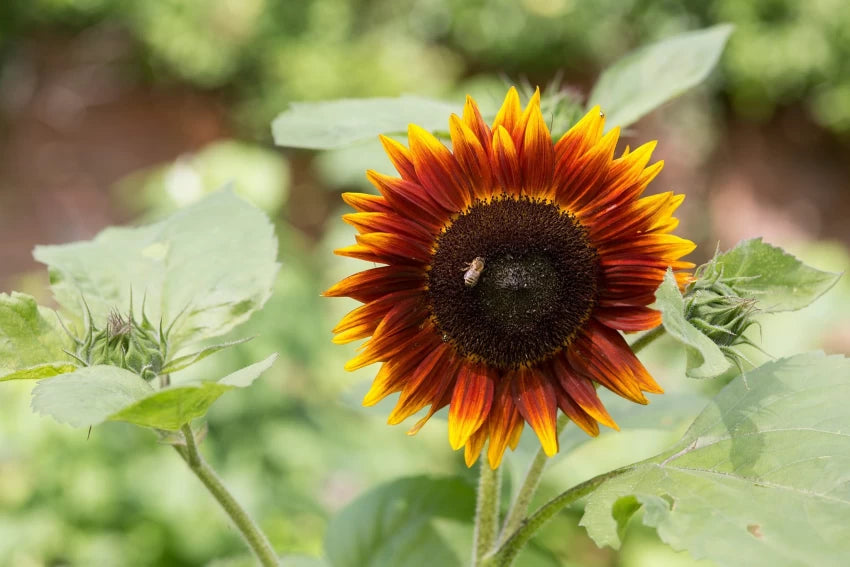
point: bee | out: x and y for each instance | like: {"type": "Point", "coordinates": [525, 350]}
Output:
{"type": "Point", "coordinates": [473, 271]}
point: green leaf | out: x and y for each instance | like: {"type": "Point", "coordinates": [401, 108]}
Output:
{"type": "Point", "coordinates": [760, 478]}
{"type": "Point", "coordinates": [96, 394]}
{"type": "Point", "coordinates": [705, 359]}
{"type": "Point", "coordinates": [208, 266]}
{"type": "Point", "coordinates": [648, 77]}
{"type": "Point", "coordinates": [89, 395]}
{"type": "Point", "coordinates": [182, 362]}
{"type": "Point", "coordinates": [391, 525]}
{"type": "Point", "coordinates": [32, 341]}
{"type": "Point", "coordinates": [776, 279]}
{"type": "Point", "coordinates": [338, 123]}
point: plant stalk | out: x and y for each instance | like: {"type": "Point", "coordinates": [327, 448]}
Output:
{"type": "Point", "coordinates": [517, 530]}
{"type": "Point", "coordinates": [486, 512]}
{"type": "Point", "coordinates": [507, 552]}
{"type": "Point", "coordinates": [254, 538]}
{"type": "Point", "coordinates": [519, 508]}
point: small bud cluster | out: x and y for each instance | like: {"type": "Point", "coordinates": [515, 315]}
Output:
{"type": "Point", "coordinates": [716, 306]}
{"type": "Point", "coordinates": [123, 341]}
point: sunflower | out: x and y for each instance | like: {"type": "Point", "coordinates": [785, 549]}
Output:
{"type": "Point", "coordinates": [510, 264]}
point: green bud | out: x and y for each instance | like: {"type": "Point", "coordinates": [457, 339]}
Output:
{"type": "Point", "coordinates": [715, 307]}
{"type": "Point", "coordinates": [124, 342]}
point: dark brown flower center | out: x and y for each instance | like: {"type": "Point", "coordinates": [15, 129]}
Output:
{"type": "Point", "coordinates": [536, 289]}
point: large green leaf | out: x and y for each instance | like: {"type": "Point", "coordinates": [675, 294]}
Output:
{"type": "Point", "coordinates": [705, 359]}
{"type": "Point", "coordinates": [648, 77]}
{"type": "Point", "coordinates": [92, 395]}
{"type": "Point", "coordinates": [776, 279]}
{"type": "Point", "coordinates": [32, 341]}
{"type": "Point", "coordinates": [212, 263]}
{"type": "Point", "coordinates": [762, 477]}
{"type": "Point", "coordinates": [338, 123]}
{"type": "Point", "coordinates": [391, 525]}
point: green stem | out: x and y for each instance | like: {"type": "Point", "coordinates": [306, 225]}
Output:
{"type": "Point", "coordinates": [251, 533]}
{"type": "Point", "coordinates": [507, 552]}
{"type": "Point", "coordinates": [487, 512]}
{"type": "Point", "coordinates": [645, 339]}
{"type": "Point", "coordinates": [517, 530]}
{"type": "Point", "coordinates": [519, 509]}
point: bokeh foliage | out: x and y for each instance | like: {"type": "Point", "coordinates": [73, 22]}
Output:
{"type": "Point", "coordinates": [265, 53]}
{"type": "Point", "coordinates": [296, 445]}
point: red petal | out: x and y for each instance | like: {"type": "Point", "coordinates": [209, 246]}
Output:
{"type": "Point", "coordinates": [471, 156]}
{"type": "Point", "coordinates": [537, 154]}
{"type": "Point", "coordinates": [505, 161]}
{"type": "Point", "coordinates": [409, 200]}
{"type": "Point", "coordinates": [400, 157]}
{"type": "Point", "coordinates": [425, 385]}
{"type": "Point", "coordinates": [503, 423]}
{"type": "Point", "coordinates": [535, 399]}
{"type": "Point", "coordinates": [438, 170]}
{"type": "Point", "coordinates": [470, 405]}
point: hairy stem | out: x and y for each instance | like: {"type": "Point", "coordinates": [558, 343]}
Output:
{"type": "Point", "coordinates": [486, 512]}
{"type": "Point", "coordinates": [507, 552]}
{"type": "Point", "coordinates": [646, 339]}
{"type": "Point", "coordinates": [518, 530]}
{"type": "Point", "coordinates": [519, 509]}
{"type": "Point", "coordinates": [254, 538]}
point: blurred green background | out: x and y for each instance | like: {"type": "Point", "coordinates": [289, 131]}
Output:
{"type": "Point", "coordinates": [118, 110]}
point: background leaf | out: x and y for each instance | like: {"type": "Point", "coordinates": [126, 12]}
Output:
{"type": "Point", "coordinates": [391, 525]}
{"type": "Point", "coordinates": [648, 77]}
{"type": "Point", "coordinates": [760, 478]}
{"type": "Point", "coordinates": [705, 359]}
{"type": "Point", "coordinates": [778, 280]}
{"type": "Point", "coordinates": [214, 259]}
{"type": "Point", "coordinates": [338, 123]}
{"type": "Point", "coordinates": [96, 394]}
{"type": "Point", "coordinates": [32, 342]}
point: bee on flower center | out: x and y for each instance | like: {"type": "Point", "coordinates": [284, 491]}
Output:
{"type": "Point", "coordinates": [473, 271]}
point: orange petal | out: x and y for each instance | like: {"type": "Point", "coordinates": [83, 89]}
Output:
{"type": "Point", "coordinates": [471, 156]}
{"type": "Point", "coordinates": [537, 154]}
{"type": "Point", "coordinates": [578, 182]}
{"type": "Point", "coordinates": [473, 447]}
{"type": "Point", "coordinates": [409, 200]}
{"type": "Point", "coordinates": [472, 119]}
{"type": "Point", "coordinates": [581, 137]}
{"type": "Point", "coordinates": [470, 405]}
{"type": "Point", "coordinates": [372, 284]}
{"type": "Point", "coordinates": [576, 414]}
{"type": "Point", "coordinates": [389, 222]}
{"type": "Point", "coordinates": [386, 382]}
{"type": "Point", "coordinates": [535, 399]}
{"type": "Point", "coordinates": [367, 203]}
{"type": "Point", "coordinates": [425, 385]}
{"type": "Point", "coordinates": [617, 351]}
{"type": "Point", "coordinates": [582, 392]}
{"type": "Point", "coordinates": [510, 113]}
{"type": "Point", "coordinates": [400, 158]}
{"type": "Point", "coordinates": [505, 160]}
{"type": "Point", "coordinates": [381, 349]}
{"type": "Point", "coordinates": [628, 319]}
{"type": "Point", "coordinates": [438, 170]}
{"type": "Point", "coordinates": [503, 422]}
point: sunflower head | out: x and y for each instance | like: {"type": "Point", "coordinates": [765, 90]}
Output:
{"type": "Point", "coordinates": [509, 266]}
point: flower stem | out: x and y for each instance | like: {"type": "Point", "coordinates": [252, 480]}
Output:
{"type": "Point", "coordinates": [486, 512]}
{"type": "Point", "coordinates": [510, 548]}
{"type": "Point", "coordinates": [517, 530]}
{"type": "Point", "coordinates": [251, 533]}
{"type": "Point", "coordinates": [645, 339]}
{"type": "Point", "coordinates": [519, 509]}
